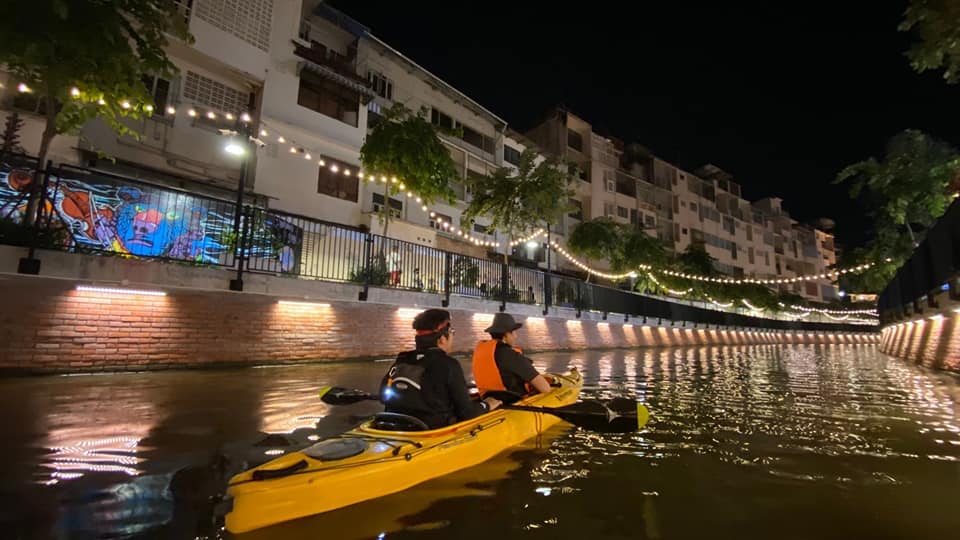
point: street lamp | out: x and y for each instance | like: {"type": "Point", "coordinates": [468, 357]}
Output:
{"type": "Point", "coordinates": [239, 144]}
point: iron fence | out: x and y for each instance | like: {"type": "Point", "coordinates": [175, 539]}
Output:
{"type": "Point", "coordinates": [96, 212]}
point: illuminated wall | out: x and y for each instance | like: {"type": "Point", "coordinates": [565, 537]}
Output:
{"type": "Point", "coordinates": [933, 341]}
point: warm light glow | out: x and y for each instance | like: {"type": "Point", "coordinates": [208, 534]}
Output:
{"type": "Point", "coordinates": [101, 101]}
{"type": "Point", "coordinates": [192, 112]}
{"type": "Point", "coordinates": [307, 156]}
{"type": "Point", "coordinates": [302, 303]}
{"type": "Point", "coordinates": [75, 92]}
{"type": "Point", "coordinates": [281, 140]}
{"type": "Point", "coordinates": [936, 317]}
{"type": "Point", "coordinates": [229, 116]}
{"type": "Point", "coordinates": [483, 317]}
{"type": "Point", "coordinates": [171, 110]}
{"type": "Point", "coordinates": [23, 88]}
{"type": "Point", "coordinates": [148, 108]}
{"type": "Point", "coordinates": [245, 117]}
{"type": "Point", "coordinates": [211, 115]}
{"type": "Point", "coordinates": [534, 319]}
{"type": "Point", "coordinates": [532, 244]}
{"type": "Point", "coordinates": [263, 133]}
{"type": "Point", "coordinates": [293, 149]}
{"type": "Point", "coordinates": [408, 311]}
{"type": "Point", "coordinates": [234, 148]}
{"type": "Point", "coordinates": [321, 162]}
{"type": "Point", "coordinates": [113, 290]}
{"type": "Point", "coordinates": [346, 172]}
{"type": "Point", "coordinates": [334, 168]}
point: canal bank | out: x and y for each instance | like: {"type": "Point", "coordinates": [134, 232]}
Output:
{"type": "Point", "coordinates": [90, 313]}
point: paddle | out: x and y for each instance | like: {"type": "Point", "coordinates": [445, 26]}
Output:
{"type": "Point", "coordinates": [619, 415]}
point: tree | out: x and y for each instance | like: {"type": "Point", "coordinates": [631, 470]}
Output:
{"type": "Point", "coordinates": [637, 248]}
{"type": "Point", "coordinates": [10, 138]}
{"type": "Point", "coordinates": [404, 149]}
{"type": "Point", "coordinates": [596, 239]}
{"type": "Point", "coordinates": [907, 191]}
{"type": "Point", "coordinates": [85, 59]}
{"type": "Point", "coordinates": [515, 201]}
{"type": "Point", "coordinates": [937, 24]}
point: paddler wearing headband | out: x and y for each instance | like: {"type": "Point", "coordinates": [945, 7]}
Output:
{"type": "Point", "coordinates": [427, 382]}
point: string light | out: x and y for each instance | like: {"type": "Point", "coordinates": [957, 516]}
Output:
{"type": "Point", "coordinates": [872, 312]}
{"type": "Point", "coordinates": [718, 304]}
{"type": "Point", "coordinates": [192, 113]}
{"type": "Point", "coordinates": [536, 234]}
{"type": "Point", "coordinates": [23, 88]}
{"type": "Point", "coordinates": [766, 281]}
{"type": "Point", "coordinates": [229, 116]}
{"type": "Point", "coordinates": [263, 133]}
{"type": "Point", "coordinates": [171, 110]}
{"type": "Point", "coordinates": [211, 115]}
{"type": "Point", "coordinates": [75, 92]}
{"type": "Point", "coordinates": [751, 306]}
{"type": "Point", "coordinates": [669, 290]}
{"type": "Point", "coordinates": [245, 117]}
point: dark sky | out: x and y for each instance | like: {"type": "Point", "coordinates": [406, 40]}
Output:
{"type": "Point", "coordinates": [780, 97]}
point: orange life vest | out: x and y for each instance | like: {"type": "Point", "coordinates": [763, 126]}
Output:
{"type": "Point", "coordinates": [485, 371]}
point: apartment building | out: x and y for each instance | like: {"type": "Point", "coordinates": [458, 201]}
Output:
{"type": "Point", "coordinates": [633, 187]}
{"type": "Point", "coordinates": [221, 77]}
{"type": "Point", "coordinates": [313, 81]}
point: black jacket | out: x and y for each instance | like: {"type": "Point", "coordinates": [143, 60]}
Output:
{"type": "Point", "coordinates": [442, 397]}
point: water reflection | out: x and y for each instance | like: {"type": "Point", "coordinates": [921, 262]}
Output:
{"type": "Point", "coordinates": [743, 438]}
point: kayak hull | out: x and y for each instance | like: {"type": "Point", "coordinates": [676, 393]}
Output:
{"type": "Point", "coordinates": [392, 461]}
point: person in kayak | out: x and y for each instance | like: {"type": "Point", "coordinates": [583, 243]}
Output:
{"type": "Point", "coordinates": [500, 366]}
{"type": "Point", "coordinates": [427, 383]}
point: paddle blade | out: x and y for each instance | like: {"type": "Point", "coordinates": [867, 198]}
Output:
{"type": "Point", "coordinates": [595, 416]}
{"type": "Point", "coordinates": [335, 395]}
{"type": "Point", "coordinates": [643, 415]}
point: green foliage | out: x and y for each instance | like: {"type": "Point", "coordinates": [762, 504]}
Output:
{"type": "Point", "coordinates": [376, 274]}
{"type": "Point", "coordinates": [517, 201]}
{"type": "Point", "coordinates": [10, 138]}
{"type": "Point", "coordinates": [406, 146]}
{"type": "Point", "coordinates": [696, 260]}
{"type": "Point", "coordinates": [464, 273]}
{"type": "Point", "coordinates": [599, 238]}
{"type": "Point", "coordinates": [936, 24]}
{"type": "Point", "coordinates": [103, 48]}
{"type": "Point", "coordinates": [907, 191]}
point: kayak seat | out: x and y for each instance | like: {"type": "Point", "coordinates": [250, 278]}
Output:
{"type": "Point", "coordinates": [334, 449]}
{"type": "Point", "coordinates": [389, 421]}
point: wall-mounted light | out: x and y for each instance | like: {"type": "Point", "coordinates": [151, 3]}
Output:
{"type": "Point", "coordinates": [114, 290]}
{"type": "Point", "coordinates": [302, 303]}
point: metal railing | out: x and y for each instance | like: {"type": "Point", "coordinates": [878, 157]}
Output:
{"type": "Point", "coordinates": [933, 267]}
{"type": "Point", "coordinates": [97, 212]}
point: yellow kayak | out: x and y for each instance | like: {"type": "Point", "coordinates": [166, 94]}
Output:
{"type": "Point", "coordinates": [366, 463]}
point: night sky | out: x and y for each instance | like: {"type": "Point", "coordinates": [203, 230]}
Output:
{"type": "Point", "coordinates": [780, 97]}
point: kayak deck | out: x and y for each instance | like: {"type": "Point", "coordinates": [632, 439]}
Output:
{"type": "Point", "coordinates": [367, 463]}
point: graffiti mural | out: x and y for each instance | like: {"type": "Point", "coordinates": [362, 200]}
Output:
{"type": "Point", "coordinates": [104, 214]}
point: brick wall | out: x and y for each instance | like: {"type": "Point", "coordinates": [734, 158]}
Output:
{"type": "Point", "coordinates": [933, 342]}
{"type": "Point", "coordinates": [46, 325]}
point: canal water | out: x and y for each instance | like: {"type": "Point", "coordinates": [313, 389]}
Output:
{"type": "Point", "coordinates": [751, 442]}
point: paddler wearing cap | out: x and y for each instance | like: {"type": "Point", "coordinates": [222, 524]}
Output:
{"type": "Point", "coordinates": [498, 365]}
{"type": "Point", "coordinates": [427, 382]}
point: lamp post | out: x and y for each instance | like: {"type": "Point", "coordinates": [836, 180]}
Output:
{"type": "Point", "coordinates": [241, 144]}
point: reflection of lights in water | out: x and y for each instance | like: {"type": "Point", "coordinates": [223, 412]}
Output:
{"type": "Point", "coordinates": [75, 452]}
{"type": "Point", "coordinates": [545, 491]}
{"type": "Point", "coordinates": [274, 452]}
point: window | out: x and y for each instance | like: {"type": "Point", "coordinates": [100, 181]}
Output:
{"type": "Point", "coordinates": [396, 207]}
{"type": "Point", "coordinates": [159, 90]}
{"type": "Point", "coordinates": [216, 95]}
{"type": "Point", "coordinates": [511, 155]}
{"type": "Point", "coordinates": [577, 211]}
{"type": "Point", "coordinates": [328, 98]}
{"type": "Point", "coordinates": [649, 221]}
{"type": "Point", "coordinates": [440, 119]}
{"type": "Point", "coordinates": [373, 114]}
{"type": "Point", "coordinates": [728, 225]}
{"type": "Point", "coordinates": [434, 223]}
{"type": "Point", "coordinates": [749, 233]}
{"type": "Point", "coordinates": [766, 257]}
{"type": "Point", "coordinates": [478, 228]}
{"type": "Point", "coordinates": [248, 20]}
{"type": "Point", "coordinates": [623, 212]}
{"type": "Point", "coordinates": [693, 207]}
{"type": "Point", "coordinates": [381, 85]}
{"type": "Point", "coordinates": [684, 231]}
{"type": "Point", "coordinates": [750, 255]}
{"type": "Point", "coordinates": [610, 181]}
{"type": "Point", "coordinates": [609, 209]}
{"type": "Point", "coordinates": [337, 185]}
{"type": "Point", "coordinates": [477, 139]}
{"type": "Point", "coordinates": [574, 140]}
